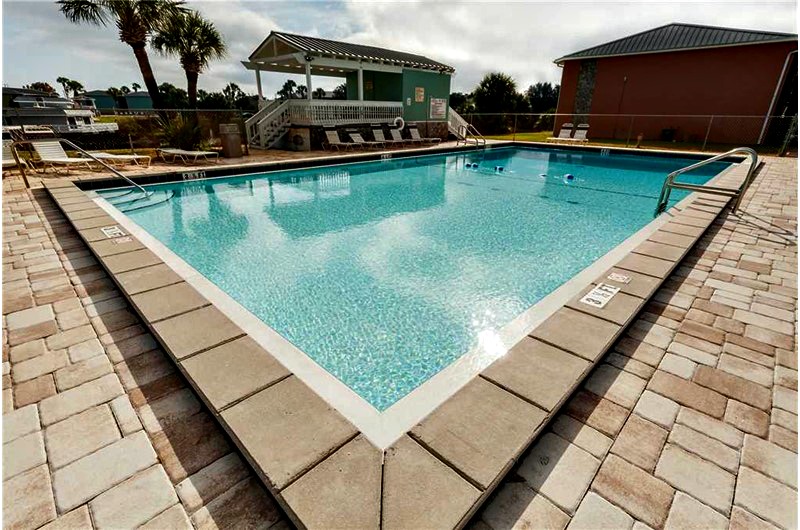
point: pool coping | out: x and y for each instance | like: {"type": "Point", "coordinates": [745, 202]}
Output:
{"type": "Point", "coordinates": [315, 462]}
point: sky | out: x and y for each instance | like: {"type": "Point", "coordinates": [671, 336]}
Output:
{"type": "Point", "coordinates": [519, 38]}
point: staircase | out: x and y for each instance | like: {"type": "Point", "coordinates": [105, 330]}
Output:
{"type": "Point", "coordinates": [462, 130]}
{"type": "Point", "coordinates": [269, 125]}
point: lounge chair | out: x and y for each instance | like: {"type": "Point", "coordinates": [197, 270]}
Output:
{"type": "Point", "coordinates": [333, 140]}
{"type": "Point", "coordinates": [414, 132]}
{"type": "Point", "coordinates": [185, 155]}
{"type": "Point", "coordinates": [377, 133]}
{"type": "Point", "coordinates": [52, 155]}
{"type": "Point", "coordinates": [580, 134]}
{"type": "Point", "coordinates": [122, 158]}
{"type": "Point", "coordinates": [565, 134]}
{"type": "Point", "coordinates": [359, 140]}
{"type": "Point", "coordinates": [8, 156]}
{"type": "Point", "coordinates": [398, 138]}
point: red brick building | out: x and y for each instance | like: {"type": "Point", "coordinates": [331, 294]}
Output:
{"type": "Point", "coordinates": [675, 77]}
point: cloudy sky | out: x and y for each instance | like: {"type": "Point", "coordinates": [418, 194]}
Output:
{"type": "Point", "coordinates": [519, 38]}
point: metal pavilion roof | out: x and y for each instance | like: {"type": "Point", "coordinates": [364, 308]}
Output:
{"type": "Point", "coordinates": [673, 37]}
{"type": "Point", "coordinates": [315, 45]}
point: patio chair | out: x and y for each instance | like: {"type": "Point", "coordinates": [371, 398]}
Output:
{"type": "Point", "coordinates": [8, 156]}
{"type": "Point", "coordinates": [123, 159]}
{"type": "Point", "coordinates": [53, 155]}
{"type": "Point", "coordinates": [377, 133]}
{"type": "Point", "coordinates": [564, 134]}
{"type": "Point", "coordinates": [580, 134]}
{"type": "Point", "coordinates": [333, 140]}
{"type": "Point", "coordinates": [185, 155]}
{"type": "Point", "coordinates": [414, 132]}
{"type": "Point", "coordinates": [359, 140]}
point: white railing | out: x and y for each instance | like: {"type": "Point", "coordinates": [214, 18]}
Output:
{"type": "Point", "coordinates": [343, 112]}
{"type": "Point", "coordinates": [251, 124]}
{"type": "Point", "coordinates": [455, 123]}
{"type": "Point", "coordinates": [87, 128]}
{"type": "Point", "coordinates": [272, 127]}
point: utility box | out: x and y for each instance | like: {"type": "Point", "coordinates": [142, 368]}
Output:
{"type": "Point", "coordinates": [231, 139]}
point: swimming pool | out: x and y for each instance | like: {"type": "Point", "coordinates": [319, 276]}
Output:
{"type": "Point", "coordinates": [384, 273]}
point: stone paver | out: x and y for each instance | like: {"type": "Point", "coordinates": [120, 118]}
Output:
{"type": "Point", "coordinates": [28, 499]}
{"type": "Point", "coordinates": [559, 470]}
{"type": "Point", "coordinates": [688, 513]}
{"type": "Point", "coordinates": [711, 311]}
{"type": "Point", "coordinates": [95, 473]}
{"type": "Point", "coordinates": [766, 498]}
{"type": "Point", "coordinates": [596, 513]}
{"type": "Point", "coordinates": [640, 442]}
{"type": "Point", "coordinates": [79, 435]}
{"type": "Point", "coordinates": [134, 501]}
{"type": "Point", "coordinates": [701, 479]}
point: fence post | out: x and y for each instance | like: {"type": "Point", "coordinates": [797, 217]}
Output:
{"type": "Point", "coordinates": [630, 131]}
{"type": "Point", "coordinates": [708, 131]}
{"type": "Point", "coordinates": [515, 128]}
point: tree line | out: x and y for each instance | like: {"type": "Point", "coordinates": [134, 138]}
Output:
{"type": "Point", "coordinates": [497, 93]}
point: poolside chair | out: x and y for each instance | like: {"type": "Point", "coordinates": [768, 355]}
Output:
{"type": "Point", "coordinates": [359, 140]}
{"type": "Point", "coordinates": [8, 156]}
{"type": "Point", "coordinates": [580, 134]}
{"type": "Point", "coordinates": [122, 159]}
{"type": "Point", "coordinates": [414, 132]}
{"type": "Point", "coordinates": [398, 138]}
{"type": "Point", "coordinates": [185, 155]}
{"type": "Point", "coordinates": [565, 134]}
{"type": "Point", "coordinates": [333, 140]}
{"type": "Point", "coordinates": [53, 155]}
{"type": "Point", "coordinates": [377, 133]}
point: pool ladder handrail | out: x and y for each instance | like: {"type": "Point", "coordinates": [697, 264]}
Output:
{"type": "Point", "coordinates": [670, 184]}
{"type": "Point", "coordinates": [83, 152]}
{"type": "Point", "coordinates": [467, 130]}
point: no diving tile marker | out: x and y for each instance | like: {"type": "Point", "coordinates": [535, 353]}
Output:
{"type": "Point", "coordinates": [600, 295]}
{"type": "Point", "coordinates": [112, 231]}
{"type": "Point", "coordinates": [620, 278]}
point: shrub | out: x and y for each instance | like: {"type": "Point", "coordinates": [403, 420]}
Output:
{"type": "Point", "coordinates": [180, 132]}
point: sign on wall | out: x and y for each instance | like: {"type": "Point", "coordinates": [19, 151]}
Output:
{"type": "Point", "coordinates": [419, 94]}
{"type": "Point", "coordinates": [438, 108]}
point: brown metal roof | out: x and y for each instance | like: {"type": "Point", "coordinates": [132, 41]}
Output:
{"type": "Point", "coordinates": [319, 46]}
{"type": "Point", "coordinates": [679, 37]}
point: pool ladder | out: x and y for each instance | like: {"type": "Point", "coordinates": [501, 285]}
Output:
{"type": "Point", "coordinates": [143, 194]}
{"type": "Point", "coordinates": [738, 193]}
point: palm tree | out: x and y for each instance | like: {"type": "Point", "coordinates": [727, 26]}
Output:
{"type": "Point", "coordinates": [319, 93]}
{"type": "Point", "coordinates": [64, 82]}
{"type": "Point", "coordinates": [195, 41]}
{"type": "Point", "coordinates": [135, 86]}
{"type": "Point", "coordinates": [136, 20]}
{"type": "Point", "coordinates": [75, 86]}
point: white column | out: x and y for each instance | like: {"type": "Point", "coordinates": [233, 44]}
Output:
{"type": "Point", "coordinates": [360, 83]}
{"type": "Point", "coordinates": [308, 81]}
{"type": "Point", "coordinates": [258, 85]}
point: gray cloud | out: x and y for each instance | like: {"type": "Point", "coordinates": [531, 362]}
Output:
{"type": "Point", "coordinates": [520, 38]}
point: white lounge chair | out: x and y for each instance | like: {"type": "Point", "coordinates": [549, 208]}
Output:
{"type": "Point", "coordinates": [580, 134]}
{"type": "Point", "coordinates": [186, 155]}
{"type": "Point", "coordinates": [333, 140]}
{"type": "Point", "coordinates": [8, 156]}
{"type": "Point", "coordinates": [377, 133]}
{"type": "Point", "coordinates": [565, 134]}
{"type": "Point", "coordinates": [53, 155]}
{"type": "Point", "coordinates": [414, 132]}
{"type": "Point", "coordinates": [397, 137]}
{"type": "Point", "coordinates": [122, 158]}
{"type": "Point", "coordinates": [359, 140]}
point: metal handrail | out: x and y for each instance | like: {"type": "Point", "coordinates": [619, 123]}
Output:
{"type": "Point", "coordinates": [468, 129]}
{"type": "Point", "coordinates": [80, 150]}
{"type": "Point", "coordinates": [669, 181]}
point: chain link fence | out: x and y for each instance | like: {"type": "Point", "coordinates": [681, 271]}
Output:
{"type": "Point", "coordinates": [769, 135]}
{"type": "Point", "coordinates": [149, 130]}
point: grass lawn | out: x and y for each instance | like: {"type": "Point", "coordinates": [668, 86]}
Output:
{"type": "Point", "coordinates": [542, 136]}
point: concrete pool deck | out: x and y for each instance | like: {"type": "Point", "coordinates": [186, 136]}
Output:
{"type": "Point", "coordinates": [432, 452]}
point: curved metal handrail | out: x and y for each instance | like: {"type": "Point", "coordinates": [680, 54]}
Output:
{"type": "Point", "coordinates": [80, 150]}
{"type": "Point", "coordinates": [669, 181]}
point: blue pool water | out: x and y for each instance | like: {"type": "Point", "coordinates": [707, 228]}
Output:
{"type": "Point", "coordinates": [386, 272]}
